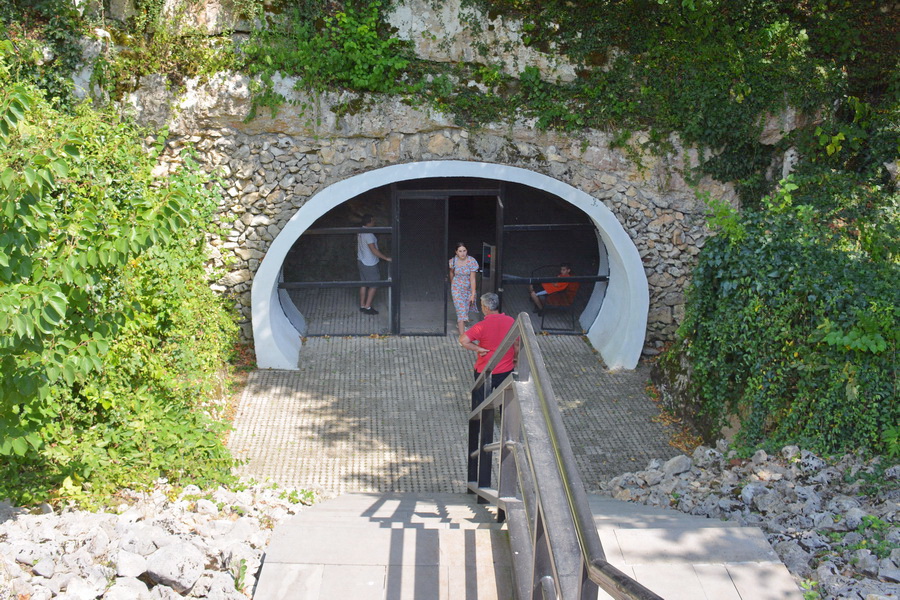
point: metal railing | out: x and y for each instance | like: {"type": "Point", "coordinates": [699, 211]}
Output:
{"type": "Point", "coordinates": [555, 546]}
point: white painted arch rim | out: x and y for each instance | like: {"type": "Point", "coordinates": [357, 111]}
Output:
{"type": "Point", "coordinates": [617, 332]}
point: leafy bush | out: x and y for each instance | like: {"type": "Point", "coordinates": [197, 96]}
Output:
{"type": "Point", "coordinates": [156, 42]}
{"type": "Point", "coordinates": [111, 342]}
{"type": "Point", "coordinates": [345, 49]}
{"type": "Point", "coordinates": [793, 329]}
{"type": "Point", "coordinates": [49, 58]}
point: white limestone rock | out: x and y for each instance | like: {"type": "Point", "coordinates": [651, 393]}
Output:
{"type": "Point", "coordinates": [177, 565]}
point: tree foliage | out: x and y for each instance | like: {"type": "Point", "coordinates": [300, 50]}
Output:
{"type": "Point", "coordinates": [793, 315]}
{"type": "Point", "coordinates": [104, 315]}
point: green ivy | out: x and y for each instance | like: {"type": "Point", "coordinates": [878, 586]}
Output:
{"type": "Point", "coordinates": [710, 70]}
{"type": "Point", "coordinates": [791, 324]}
{"type": "Point", "coordinates": [792, 328]}
{"type": "Point", "coordinates": [347, 48]}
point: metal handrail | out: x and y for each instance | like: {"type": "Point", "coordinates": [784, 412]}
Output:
{"type": "Point", "coordinates": [529, 411]}
{"type": "Point", "coordinates": [522, 280]}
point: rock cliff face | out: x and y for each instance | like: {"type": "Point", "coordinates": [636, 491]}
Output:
{"type": "Point", "coordinates": [270, 166]}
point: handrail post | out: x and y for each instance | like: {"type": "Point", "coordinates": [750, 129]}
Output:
{"type": "Point", "coordinates": [484, 459]}
{"type": "Point", "coordinates": [474, 451]}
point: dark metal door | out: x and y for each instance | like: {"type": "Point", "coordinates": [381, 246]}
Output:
{"type": "Point", "coordinates": [421, 265]}
{"type": "Point", "coordinates": [497, 253]}
{"type": "Point", "coordinates": [488, 272]}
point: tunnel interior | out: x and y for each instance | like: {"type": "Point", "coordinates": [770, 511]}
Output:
{"type": "Point", "coordinates": [418, 223]}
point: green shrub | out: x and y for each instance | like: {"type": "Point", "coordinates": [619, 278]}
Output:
{"type": "Point", "coordinates": [46, 59]}
{"type": "Point", "coordinates": [158, 43]}
{"type": "Point", "coordinates": [111, 345]}
{"type": "Point", "coordinates": [793, 328]}
{"type": "Point", "coordinates": [345, 49]}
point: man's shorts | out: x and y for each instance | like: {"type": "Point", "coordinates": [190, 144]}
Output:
{"type": "Point", "coordinates": [369, 272]}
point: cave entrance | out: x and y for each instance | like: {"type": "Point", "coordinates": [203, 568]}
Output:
{"type": "Point", "coordinates": [510, 229]}
{"type": "Point", "coordinates": [308, 284]}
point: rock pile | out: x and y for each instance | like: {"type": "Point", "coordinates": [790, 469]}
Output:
{"type": "Point", "coordinates": [153, 546]}
{"type": "Point", "coordinates": [835, 524]}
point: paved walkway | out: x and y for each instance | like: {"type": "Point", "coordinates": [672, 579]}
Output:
{"type": "Point", "coordinates": [446, 547]}
{"type": "Point", "coordinates": [388, 414]}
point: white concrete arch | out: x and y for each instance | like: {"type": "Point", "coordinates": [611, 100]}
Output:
{"type": "Point", "coordinates": [617, 332]}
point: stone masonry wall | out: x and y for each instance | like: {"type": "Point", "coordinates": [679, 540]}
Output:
{"type": "Point", "coordinates": [271, 166]}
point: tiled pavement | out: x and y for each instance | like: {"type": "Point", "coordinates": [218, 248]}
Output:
{"type": "Point", "coordinates": [333, 311]}
{"type": "Point", "coordinates": [388, 414]}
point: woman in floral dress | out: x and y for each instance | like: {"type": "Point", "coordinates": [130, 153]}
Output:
{"type": "Point", "coordinates": [462, 284]}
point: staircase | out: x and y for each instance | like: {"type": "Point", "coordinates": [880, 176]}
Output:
{"type": "Point", "coordinates": [558, 542]}
{"type": "Point", "coordinates": [397, 546]}
{"type": "Point", "coordinates": [446, 547]}
{"type": "Point", "coordinates": [684, 557]}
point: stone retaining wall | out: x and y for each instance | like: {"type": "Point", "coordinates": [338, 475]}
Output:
{"type": "Point", "coordinates": [270, 166]}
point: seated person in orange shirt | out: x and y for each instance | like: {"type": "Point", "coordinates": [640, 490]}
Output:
{"type": "Point", "coordinates": [541, 290]}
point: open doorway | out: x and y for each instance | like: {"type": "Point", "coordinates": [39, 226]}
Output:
{"type": "Point", "coordinates": [421, 226]}
{"type": "Point", "coordinates": [418, 224]}
{"type": "Point", "coordinates": [430, 218]}
{"type": "Point", "coordinates": [616, 329]}
{"type": "Point", "coordinates": [540, 232]}
{"type": "Point", "coordinates": [472, 220]}
{"type": "Point", "coordinates": [319, 281]}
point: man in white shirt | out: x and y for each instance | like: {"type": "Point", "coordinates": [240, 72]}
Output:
{"type": "Point", "coordinates": [367, 255]}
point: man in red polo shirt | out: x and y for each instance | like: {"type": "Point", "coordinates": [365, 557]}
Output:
{"type": "Point", "coordinates": [488, 333]}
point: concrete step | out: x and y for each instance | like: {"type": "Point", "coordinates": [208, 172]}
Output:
{"type": "Point", "coordinates": [393, 511]}
{"type": "Point", "coordinates": [446, 547]}
{"type": "Point", "coordinates": [681, 556]}
{"type": "Point", "coordinates": [441, 547]}
{"type": "Point", "coordinates": [617, 514]}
